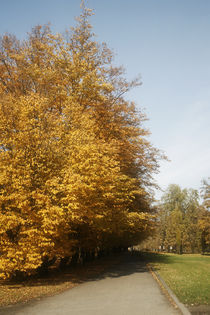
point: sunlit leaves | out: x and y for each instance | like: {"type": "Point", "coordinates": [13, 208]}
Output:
{"type": "Point", "coordinates": [75, 163]}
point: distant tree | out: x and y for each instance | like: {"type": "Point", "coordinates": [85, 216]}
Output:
{"type": "Point", "coordinates": [204, 227]}
{"type": "Point", "coordinates": [174, 231]}
{"type": "Point", "coordinates": [174, 197]}
{"type": "Point", "coordinates": [178, 215]}
{"type": "Point", "coordinates": [204, 218]}
{"type": "Point", "coordinates": [191, 230]}
{"type": "Point", "coordinates": [205, 192]}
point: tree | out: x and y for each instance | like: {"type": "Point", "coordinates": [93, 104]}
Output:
{"type": "Point", "coordinates": [204, 218]}
{"type": "Point", "coordinates": [204, 227]}
{"type": "Point", "coordinates": [205, 192]}
{"type": "Point", "coordinates": [174, 231]}
{"type": "Point", "coordinates": [75, 163]}
{"type": "Point", "coordinates": [179, 213]}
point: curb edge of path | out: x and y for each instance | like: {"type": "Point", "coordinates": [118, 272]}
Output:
{"type": "Point", "coordinates": [167, 291]}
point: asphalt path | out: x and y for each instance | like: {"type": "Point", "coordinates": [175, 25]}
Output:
{"type": "Point", "coordinates": [127, 288]}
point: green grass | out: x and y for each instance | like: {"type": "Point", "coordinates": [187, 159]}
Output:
{"type": "Point", "coordinates": [188, 276]}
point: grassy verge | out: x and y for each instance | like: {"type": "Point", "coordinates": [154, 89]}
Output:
{"type": "Point", "coordinates": [188, 276]}
{"type": "Point", "coordinates": [55, 282]}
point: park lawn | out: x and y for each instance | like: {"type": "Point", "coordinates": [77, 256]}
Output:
{"type": "Point", "coordinates": [188, 276]}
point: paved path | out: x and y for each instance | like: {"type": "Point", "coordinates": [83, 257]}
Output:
{"type": "Point", "coordinates": [126, 289]}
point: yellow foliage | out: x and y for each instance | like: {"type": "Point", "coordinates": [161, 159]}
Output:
{"type": "Point", "coordinates": [74, 160]}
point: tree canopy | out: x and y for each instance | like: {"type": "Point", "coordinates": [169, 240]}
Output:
{"type": "Point", "coordinates": [75, 162]}
{"type": "Point", "coordinates": [183, 221]}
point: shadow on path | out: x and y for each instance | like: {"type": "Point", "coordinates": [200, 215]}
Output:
{"type": "Point", "coordinates": [124, 287]}
{"type": "Point", "coordinates": [122, 264]}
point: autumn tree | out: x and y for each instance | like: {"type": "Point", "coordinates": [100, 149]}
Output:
{"type": "Point", "coordinates": [180, 220]}
{"type": "Point", "coordinates": [204, 217]}
{"type": "Point", "coordinates": [171, 213]}
{"type": "Point", "coordinates": [75, 162]}
{"type": "Point", "coordinates": [205, 193]}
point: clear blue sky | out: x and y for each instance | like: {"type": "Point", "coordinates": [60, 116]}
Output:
{"type": "Point", "coordinates": [167, 42]}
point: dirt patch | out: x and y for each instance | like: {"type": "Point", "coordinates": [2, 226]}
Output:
{"type": "Point", "coordinates": [199, 310]}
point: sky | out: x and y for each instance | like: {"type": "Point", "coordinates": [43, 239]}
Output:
{"type": "Point", "coordinates": [167, 43]}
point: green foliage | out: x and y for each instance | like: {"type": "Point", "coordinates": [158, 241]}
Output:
{"type": "Point", "coordinates": [179, 215]}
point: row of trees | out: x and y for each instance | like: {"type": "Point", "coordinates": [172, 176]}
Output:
{"type": "Point", "coordinates": [75, 163]}
{"type": "Point", "coordinates": [184, 223]}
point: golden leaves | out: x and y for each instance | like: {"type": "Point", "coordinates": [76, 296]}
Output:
{"type": "Point", "coordinates": [74, 162]}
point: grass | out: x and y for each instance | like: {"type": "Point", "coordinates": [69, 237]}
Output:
{"type": "Point", "coordinates": [55, 282]}
{"type": "Point", "coordinates": [188, 276]}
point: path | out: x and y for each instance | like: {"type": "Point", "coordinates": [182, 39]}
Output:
{"type": "Point", "coordinates": [126, 289]}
